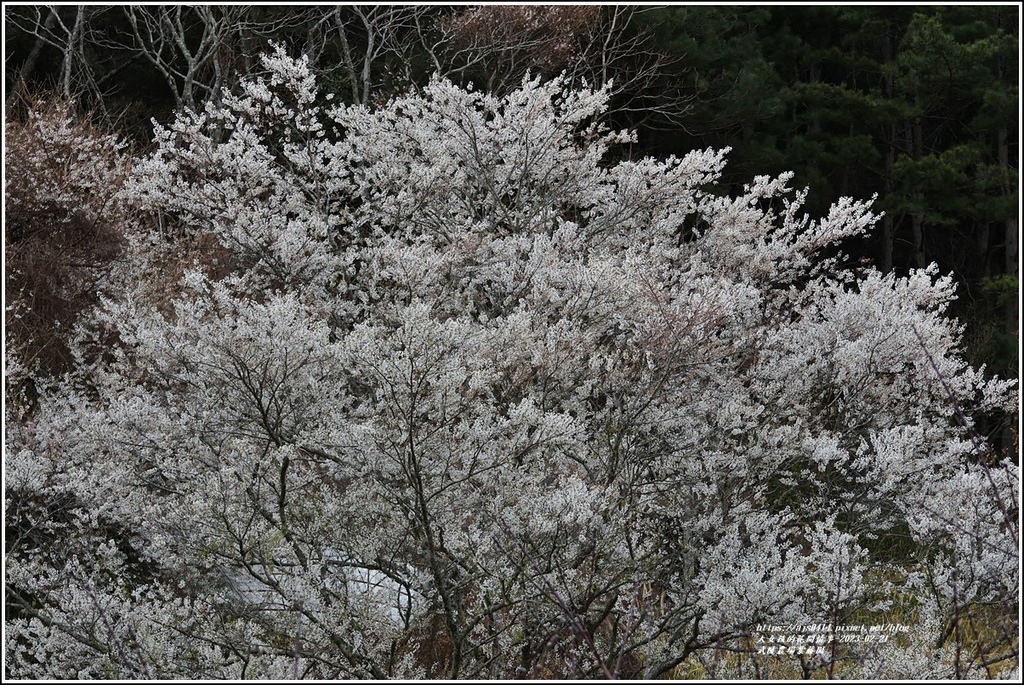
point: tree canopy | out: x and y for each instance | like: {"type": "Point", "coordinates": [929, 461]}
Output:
{"type": "Point", "coordinates": [448, 386]}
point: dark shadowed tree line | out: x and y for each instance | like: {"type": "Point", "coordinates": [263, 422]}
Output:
{"type": "Point", "coordinates": [916, 104]}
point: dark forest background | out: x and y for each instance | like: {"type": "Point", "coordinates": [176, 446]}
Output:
{"type": "Point", "coordinates": [918, 105]}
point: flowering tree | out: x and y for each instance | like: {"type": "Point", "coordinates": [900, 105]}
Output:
{"type": "Point", "coordinates": [62, 224]}
{"type": "Point", "coordinates": [434, 390]}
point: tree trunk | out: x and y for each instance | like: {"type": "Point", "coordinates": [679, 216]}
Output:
{"type": "Point", "coordinates": [69, 52]}
{"type": "Point", "coordinates": [29, 64]}
{"type": "Point", "coordinates": [888, 224]}
{"type": "Point", "coordinates": [919, 257]}
{"type": "Point", "coordinates": [983, 240]}
{"type": "Point", "coordinates": [1012, 237]}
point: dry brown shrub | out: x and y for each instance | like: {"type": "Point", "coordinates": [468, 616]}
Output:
{"type": "Point", "coordinates": [545, 37]}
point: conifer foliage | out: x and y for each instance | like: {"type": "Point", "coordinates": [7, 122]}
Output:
{"type": "Point", "coordinates": [452, 387]}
